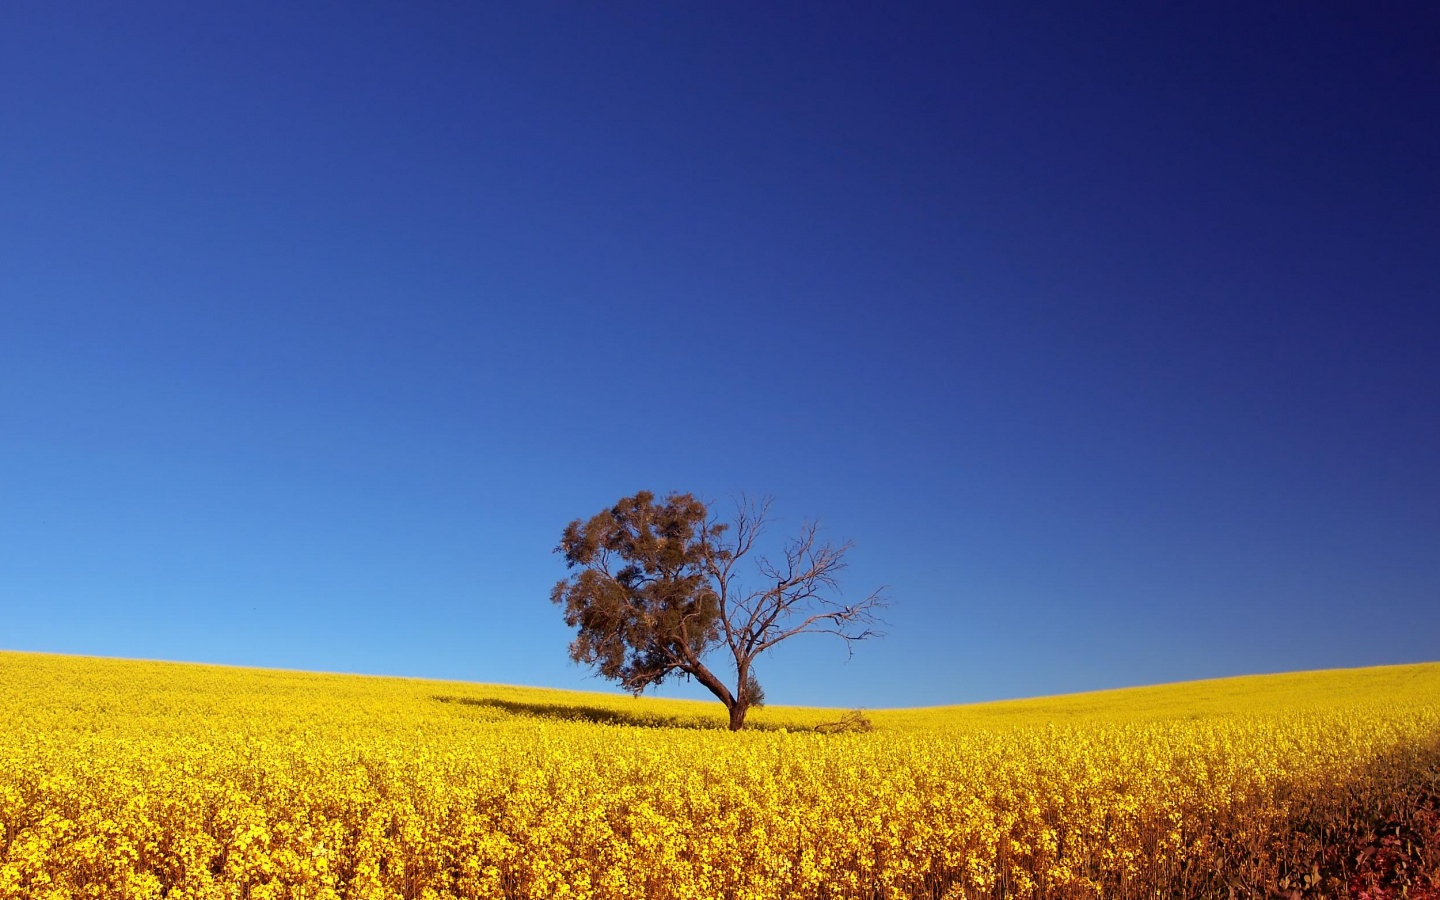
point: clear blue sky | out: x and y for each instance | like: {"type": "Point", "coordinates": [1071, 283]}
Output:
{"type": "Point", "coordinates": [1111, 338]}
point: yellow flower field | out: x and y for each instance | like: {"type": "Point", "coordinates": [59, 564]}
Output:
{"type": "Point", "coordinates": [127, 779]}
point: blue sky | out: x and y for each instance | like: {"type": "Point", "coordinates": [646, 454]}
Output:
{"type": "Point", "coordinates": [1111, 339]}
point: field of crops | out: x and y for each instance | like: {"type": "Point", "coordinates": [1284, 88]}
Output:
{"type": "Point", "coordinates": [143, 780]}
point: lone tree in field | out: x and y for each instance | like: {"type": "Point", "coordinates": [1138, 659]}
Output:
{"type": "Point", "coordinates": [658, 589]}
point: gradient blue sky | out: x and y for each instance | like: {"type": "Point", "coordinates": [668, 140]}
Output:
{"type": "Point", "coordinates": [1109, 337]}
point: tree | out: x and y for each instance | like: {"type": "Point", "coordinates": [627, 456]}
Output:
{"type": "Point", "coordinates": [658, 589]}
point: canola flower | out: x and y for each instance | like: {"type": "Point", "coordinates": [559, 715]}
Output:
{"type": "Point", "coordinates": [146, 780]}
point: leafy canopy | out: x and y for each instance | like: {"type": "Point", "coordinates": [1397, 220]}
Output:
{"type": "Point", "coordinates": [657, 589]}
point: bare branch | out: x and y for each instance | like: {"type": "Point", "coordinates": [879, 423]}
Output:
{"type": "Point", "coordinates": [842, 621]}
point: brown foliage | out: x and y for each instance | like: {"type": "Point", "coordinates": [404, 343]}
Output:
{"type": "Point", "coordinates": [658, 588]}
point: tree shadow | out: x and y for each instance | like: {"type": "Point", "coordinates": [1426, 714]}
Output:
{"type": "Point", "coordinates": [598, 715]}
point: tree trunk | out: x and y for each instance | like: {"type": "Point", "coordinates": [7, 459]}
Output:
{"type": "Point", "coordinates": [737, 715]}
